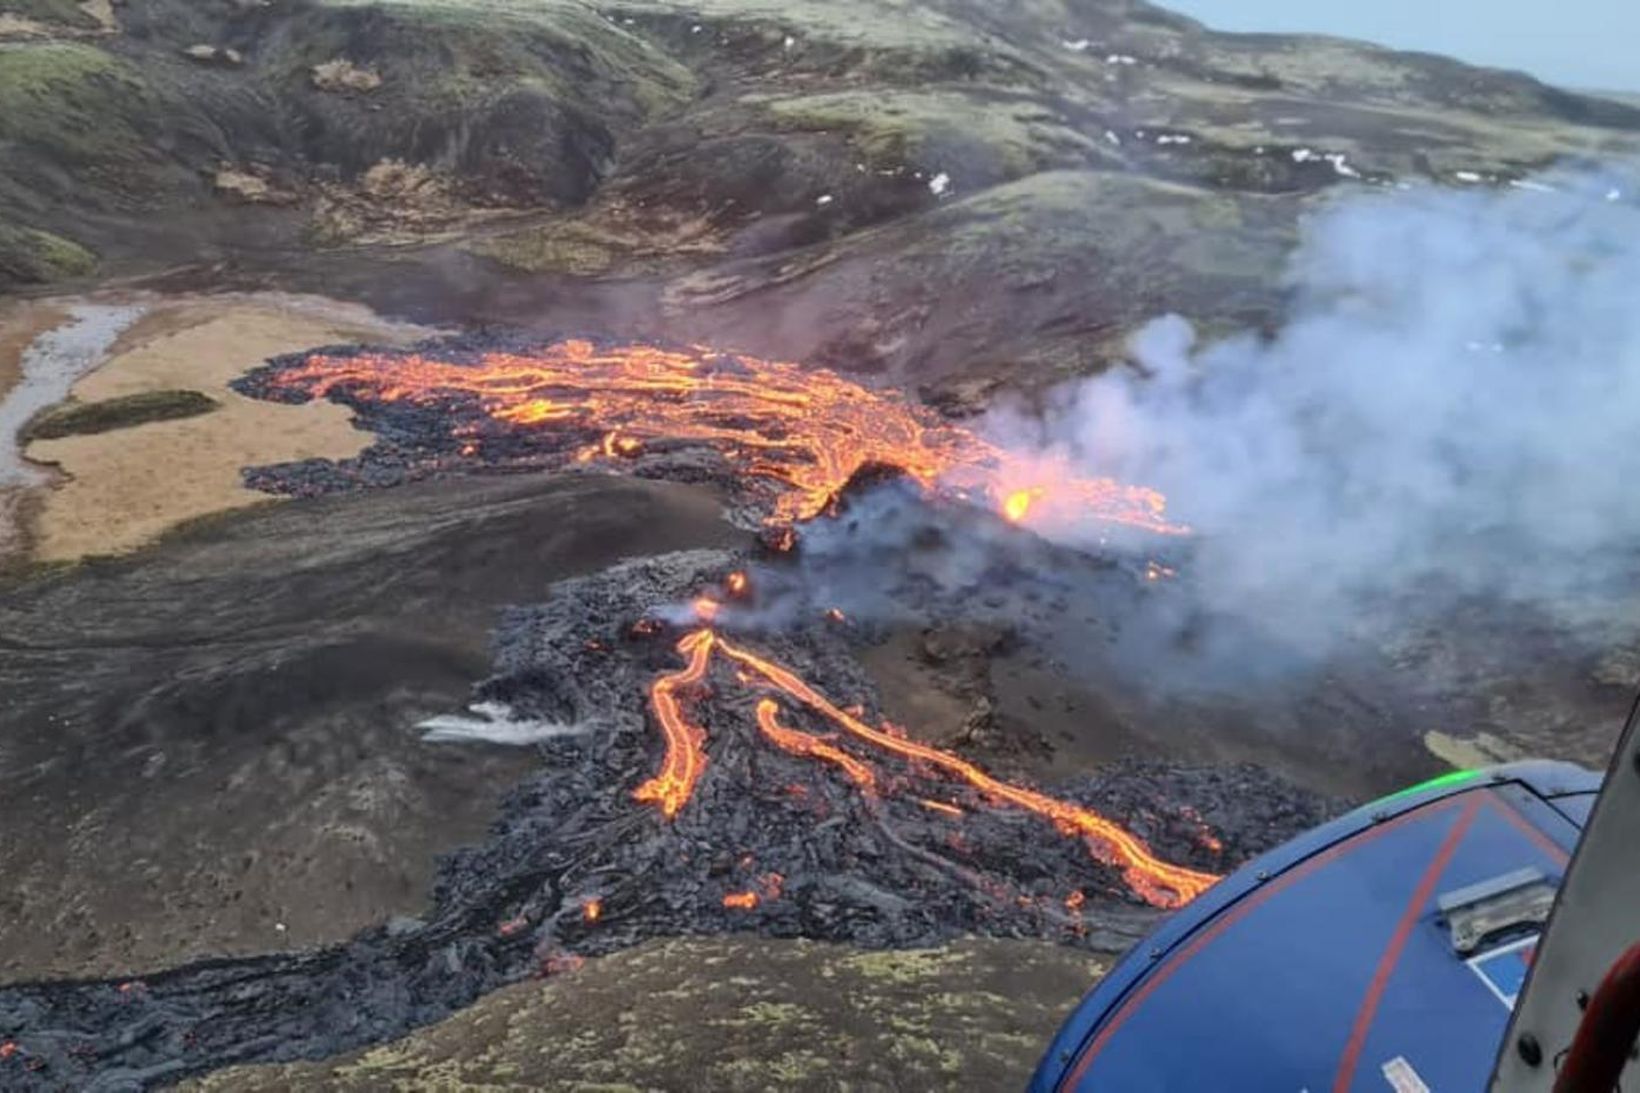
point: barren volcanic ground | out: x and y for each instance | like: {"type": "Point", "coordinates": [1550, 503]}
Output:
{"type": "Point", "coordinates": [501, 582]}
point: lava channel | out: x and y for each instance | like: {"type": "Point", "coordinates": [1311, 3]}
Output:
{"type": "Point", "coordinates": [1153, 880]}
{"type": "Point", "coordinates": [805, 431]}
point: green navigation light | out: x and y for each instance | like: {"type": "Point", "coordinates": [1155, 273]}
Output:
{"type": "Point", "coordinates": [1440, 781]}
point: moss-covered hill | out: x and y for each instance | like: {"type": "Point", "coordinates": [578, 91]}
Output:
{"type": "Point", "coordinates": [759, 1014]}
{"type": "Point", "coordinates": [948, 191]}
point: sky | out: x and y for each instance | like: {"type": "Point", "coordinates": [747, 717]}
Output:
{"type": "Point", "coordinates": [1591, 44]}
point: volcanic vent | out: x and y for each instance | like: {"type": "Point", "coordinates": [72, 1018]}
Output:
{"type": "Point", "coordinates": [720, 761]}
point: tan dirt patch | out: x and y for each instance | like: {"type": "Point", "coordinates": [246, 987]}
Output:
{"type": "Point", "coordinates": [1483, 750]}
{"type": "Point", "coordinates": [103, 12]}
{"type": "Point", "coordinates": [126, 487]}
{"type": "Point", "coordinates": [15, 26]}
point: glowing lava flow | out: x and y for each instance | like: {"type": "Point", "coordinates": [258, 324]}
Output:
{"type": "Point", "coordinates": [1017, 505]}
{"type": "Point", "coordinates": [1156, 881]}
{"type": "Point", "coordinates": [801, 743]}
{"type": "Point", "coordinates": [807, 431]}
{"type": "Point", "coordinates": [685, 757]}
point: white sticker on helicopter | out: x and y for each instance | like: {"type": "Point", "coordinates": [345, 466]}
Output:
{"type": "Point", "coordinates": [1504, 970]}
{"type": "Point", "coordinates": [1402, 1078]}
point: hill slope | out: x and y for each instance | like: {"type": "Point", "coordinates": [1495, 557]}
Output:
{"type": "Point", "coordinates": [949, 192]}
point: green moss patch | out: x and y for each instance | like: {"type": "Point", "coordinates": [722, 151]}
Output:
{"type": "Point", "coordinates": [567, 247]}
{"type": "Point", "coordinates": [73, 99]}
{"type": "Point", "coordinates": [67, 13]}
{"type": "Point", "coordinates": [490, 47]}
{"type": "Point", "coordinates": [81, 418]}
{"type": "Point", "coordinates": [1011, 136]}
{"type": "Point", "coordinates": [28, 256]}
{"type": "Point", "coordinates": [735, 1014]}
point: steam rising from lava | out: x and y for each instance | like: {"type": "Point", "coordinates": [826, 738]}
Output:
{"type": "Point", "coordinates": [1449, 410]}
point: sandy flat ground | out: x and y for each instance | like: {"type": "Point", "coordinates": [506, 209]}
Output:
{"type": "Point", "coordinates": [121, 489]}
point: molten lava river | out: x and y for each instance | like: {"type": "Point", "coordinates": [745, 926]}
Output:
{"type": "Point", "coordinates": [804, 432]}
{"type": "Point", "coordinates": [793, 438]}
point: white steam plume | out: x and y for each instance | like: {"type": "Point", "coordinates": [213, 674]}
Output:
{"type": "Point", "coordinates": [1452, 407]}
{"type": "Point", "coordinates": [494, 723]}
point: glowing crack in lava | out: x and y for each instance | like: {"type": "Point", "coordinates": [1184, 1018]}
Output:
{"type": "Point", "coordinates": [1156, 881]}
{"type": "Point", "coordinates": [806, 431]}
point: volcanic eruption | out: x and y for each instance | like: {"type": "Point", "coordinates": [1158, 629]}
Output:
{"type": "Point", "coordinates": [800, 435]}
{"type": "Point", "coordinates": [716, 763]}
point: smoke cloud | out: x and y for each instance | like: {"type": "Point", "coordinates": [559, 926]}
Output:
{"type": "Point", "coordinates": [1452, 408]}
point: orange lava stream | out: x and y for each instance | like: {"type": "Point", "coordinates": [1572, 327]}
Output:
{"type": "Point", "coordinates": [801, 743]}
{"type": "Point", "coordinates": [1156, 881]}
{"type": "Point", "coordinates": [685, 741]}
{"type": "Point", "coordinates": [807, 430]}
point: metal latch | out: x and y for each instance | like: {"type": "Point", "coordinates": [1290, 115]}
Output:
{"type": "Point", "coordinates": [1514, 903]}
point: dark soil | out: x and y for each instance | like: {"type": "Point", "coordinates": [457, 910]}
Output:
{"type": "Point", "coordinates": [214, 739]}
